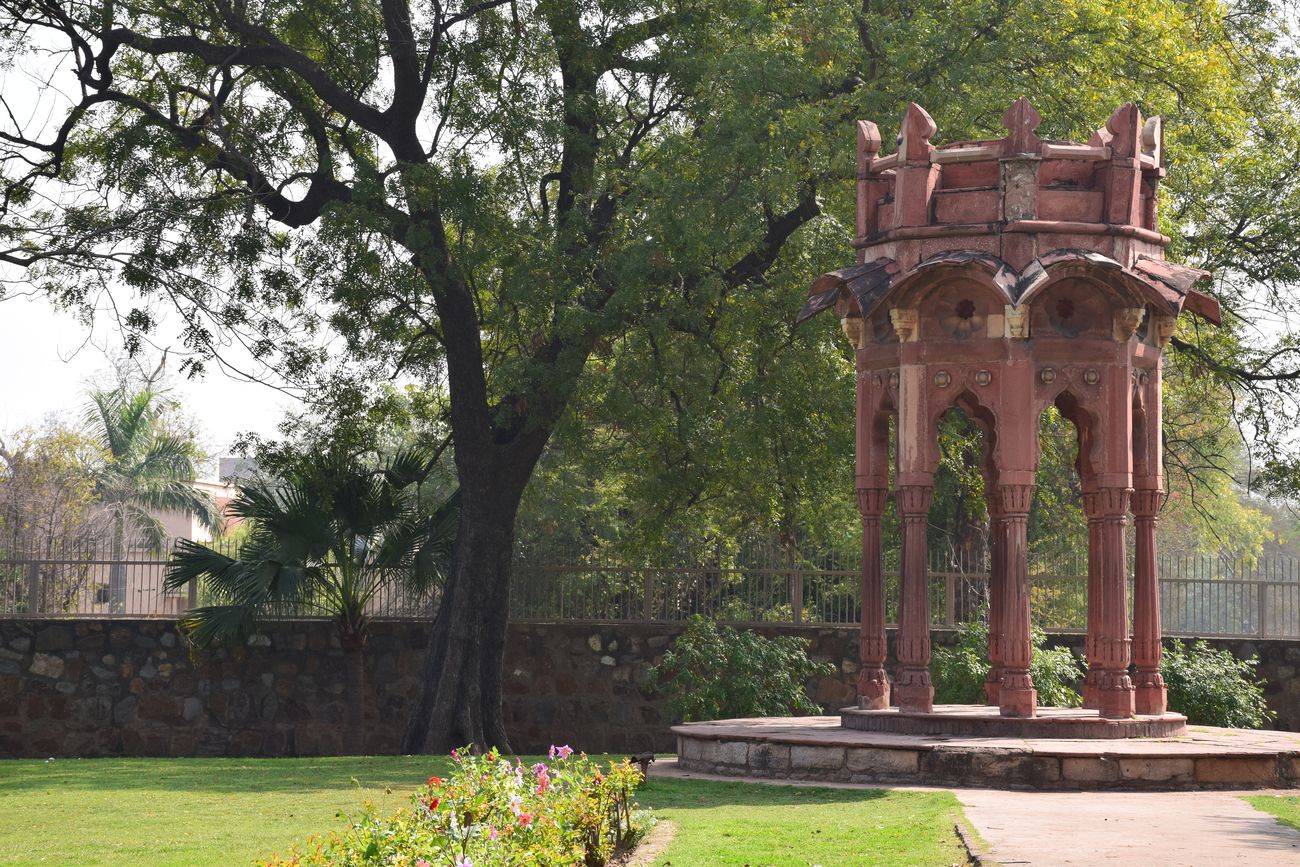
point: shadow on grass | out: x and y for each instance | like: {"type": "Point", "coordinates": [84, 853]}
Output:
{"type": "Point", "coordinates": [222, 776]}
{"type": "Point", "coordinates": [229, 776]}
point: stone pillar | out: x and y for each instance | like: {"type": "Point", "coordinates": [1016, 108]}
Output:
{"type": "Point", "coordinates": [1094, 591]}
{"type": "Point", "coordinates": [873, 682]}
{"type": "Point", "coordinates": [1151, 696]}
{"type": "Point", "coordinates": [913, 687]}
{"type": "Point", "coordinates": [997, 597]}
{"type": "Point", "coordinates": [1113, 688]}
{"type": "Point", "coordinates": [1017, 696]}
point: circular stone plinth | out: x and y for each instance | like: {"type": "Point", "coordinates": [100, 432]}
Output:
{"type": "Point", "coordinates": [985, 721]}
{"type": "Point", "coordinates": [819, 749]}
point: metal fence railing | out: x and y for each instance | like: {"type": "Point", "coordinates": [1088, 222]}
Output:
{"type": "Point", "coordinates": [1210, 597]}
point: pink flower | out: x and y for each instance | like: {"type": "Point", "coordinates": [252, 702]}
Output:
{"type": "Point", "coordinates": [422, 863]}
{"type": "Point", "coordinates": [561, 752]}
{"type": "Point", "coordinates": [525, 819]}
{"type": "Point", "coordinates": [463, 861]}
{"type": "Point", "coordinates": [516, 804]}
{"type": "Point", "coordinates": [493, 833]}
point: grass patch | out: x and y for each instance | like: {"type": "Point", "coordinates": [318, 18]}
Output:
{"type": "Point", "coordinates": [1285, 807]}
{"type": "Point", "coordinates": [774, 826]}
{"type": "Point", "coordinates": [186, 812]}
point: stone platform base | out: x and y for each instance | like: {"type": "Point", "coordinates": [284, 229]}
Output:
{"type": "Point", "coordinates": [985, 721]}
{"type": "Point", "coordinates": [819, 749]}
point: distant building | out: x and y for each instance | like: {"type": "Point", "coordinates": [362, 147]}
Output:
{"type": "Point", "coordinates": [182, 526]}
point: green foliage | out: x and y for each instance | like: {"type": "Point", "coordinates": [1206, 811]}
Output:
{"type": "Point", "coordinates": [494, 811]}
{"type": "Point", "coordinates": [959, 671]}
{"type": "Point", "coordinates": [1213, 687]}
{"type": "Point", "coordinates": [716, 672]}
{"type": "Point", "coordinates": [327, 541]}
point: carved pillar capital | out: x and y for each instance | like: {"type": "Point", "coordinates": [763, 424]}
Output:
{"type": "Point", "coordinates": [914, 501]}
{"type": "Point", "coordinates": [1146, 502]}
{"type": "Point", "coordinates": [871, 502]}
{"type": "Point", "coordinates": [1011, 500]}
{"type": "Point", "coordinates": [1106, 502]}
{"type": "Point", "coordinates": [905, 321]}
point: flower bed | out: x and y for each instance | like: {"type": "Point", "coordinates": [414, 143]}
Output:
{"type": "Point", "coordinates": [568, 812]}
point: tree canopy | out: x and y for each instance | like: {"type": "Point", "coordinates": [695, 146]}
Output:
{"type": "Point", "coordinates": [593, 218]}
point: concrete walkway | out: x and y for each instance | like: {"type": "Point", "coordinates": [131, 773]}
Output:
{"type": "Point", "coordinates": [1169, 829]}
{"type": "Point", "coordinates": [1059, 829]}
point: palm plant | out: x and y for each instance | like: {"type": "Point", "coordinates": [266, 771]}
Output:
{"type": "Point", "coordinates": [326, 541]}
{"type": "Point", "coordinates": [146, 470]}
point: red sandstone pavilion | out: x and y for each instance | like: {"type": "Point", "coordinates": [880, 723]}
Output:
{"type": "Point", "coordinates": [1003, 277]}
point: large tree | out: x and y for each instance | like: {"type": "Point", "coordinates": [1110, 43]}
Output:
{"type": "Point", "coordinates": [469, 185]}
{"type": "Point", "coordinates": [483, 196]}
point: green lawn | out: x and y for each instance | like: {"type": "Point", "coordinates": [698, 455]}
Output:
{"type": "Point", "coordinates": [1285, 807]}
{"type": "Point", "coordinates": [755, 824]}
{"type": "Point", "coordinates": [230, 811]}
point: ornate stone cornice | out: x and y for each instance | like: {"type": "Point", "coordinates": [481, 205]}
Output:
{"type": "Point", "coordinates": [905, 321]}
{"type": "Point", "coordinates": [1127, 320]}
{"type": "Point", "coordinates": [1016, 321]}
{"type": "Point", "coordinates": [1164, 329]}
{"type": "Point", "coordinates": [853, 330]}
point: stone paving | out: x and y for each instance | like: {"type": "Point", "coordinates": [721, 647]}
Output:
{"type": "Point", "coordinates": [1186, 829]}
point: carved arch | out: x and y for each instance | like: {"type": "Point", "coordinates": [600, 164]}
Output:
{"type": "Point", "coordinates": [1088, 431]}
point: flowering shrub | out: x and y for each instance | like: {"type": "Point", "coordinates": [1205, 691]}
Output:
{"type": "Point", "coordinates": [496, 812]}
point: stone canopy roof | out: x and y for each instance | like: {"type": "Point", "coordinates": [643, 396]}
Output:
{"type": "Point", "coordinates": [1020, 211]}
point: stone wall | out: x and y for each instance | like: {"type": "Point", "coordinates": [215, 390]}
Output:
{"type": "Point", "coordinates": [133, 687]}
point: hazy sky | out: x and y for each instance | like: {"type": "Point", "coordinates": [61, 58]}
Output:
{"type": "Point", "coordinates": [47, 361]}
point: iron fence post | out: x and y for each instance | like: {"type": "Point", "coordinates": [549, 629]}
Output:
{"type": "Point", "coordinates": [950, 599]}
{"type": "Point", "coordinates": [647, 582]}
{"type": "Point", "coordinates": [34, 588]}
{"type": "Point", "coordinates": [796, 597]}
{"type": "Point", "coordinates": [1262, 607]}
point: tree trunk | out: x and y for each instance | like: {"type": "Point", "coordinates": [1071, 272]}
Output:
{"type": "Point", "coordinates": [460, 697]}
{"type": "Point", "coordinates": [117, 570]}
{"type": "Point", "coordinates": [355, 699]}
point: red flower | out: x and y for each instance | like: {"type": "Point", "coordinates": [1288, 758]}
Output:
{"type": "Point", "coordinates": [435, 781]}
{"type": "Point", "coordinates": [525, 819]}
{"type": "Point", "coordinates": [433, 804]}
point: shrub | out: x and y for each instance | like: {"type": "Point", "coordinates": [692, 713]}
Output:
{"type": "Point", "coordinates": [959, 671]}
{"type": "Point", "coordinates": [716, 672]}
{"type": "Point", "coordinates": [494, 812]}
{"type": "Point", "coordinates": [1213, 687]}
